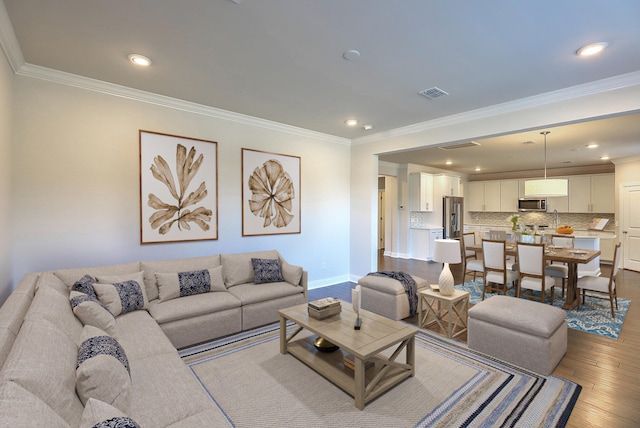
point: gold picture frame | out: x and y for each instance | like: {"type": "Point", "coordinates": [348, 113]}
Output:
{"type": "Point", "coordinates": [270, 193]}
{"type": "Point", "coordinates": [178, 188]}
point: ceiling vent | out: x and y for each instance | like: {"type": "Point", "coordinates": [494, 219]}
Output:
{"type": "Point", "coordinates": [460, 146]}
{"type": "Point", "coordinates": [433, 93]}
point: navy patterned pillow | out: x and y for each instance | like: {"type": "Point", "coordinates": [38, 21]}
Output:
{"type": "Point", "coordinates": [118, 422]}
{"type": "Point", "coordinates": [267, 270]}
{"type": "Point", "coordinates": [194, 282]}
{"type": "Point", "coordinates": [78, 299]}
{"type": "Point", "coordinates": [122, 295]}
{"type": "Point", "coordinates": [84, 285]}
{"type": "Point", "coordinates": [102, 345]}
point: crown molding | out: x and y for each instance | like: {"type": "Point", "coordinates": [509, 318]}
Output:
{"type": "Point", "coordinates": [573, 92]}
{"type": "Point", "coordinates": [8, 40]}
{"type": "Point", "coordinates": [631, 159]}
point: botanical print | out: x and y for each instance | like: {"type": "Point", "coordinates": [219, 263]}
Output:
{"type": "Point", "coordinates": [271, 204]}
{"type": "Point", "coordinates": [178, 188]}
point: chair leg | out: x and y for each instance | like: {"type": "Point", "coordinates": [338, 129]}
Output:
{"type": "Point", "coordinates": [563, 280]}
{"type": "Point", "coordinates": [553, 292]}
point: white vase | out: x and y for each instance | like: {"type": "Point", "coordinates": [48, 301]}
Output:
{"type": "Point", "coordinates": [445, 282]}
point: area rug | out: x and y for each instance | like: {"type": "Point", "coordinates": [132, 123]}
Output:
{"type": "Point", "coordinates": [594, 315]}
{"type": "Point", "coordinates": [252, 385]}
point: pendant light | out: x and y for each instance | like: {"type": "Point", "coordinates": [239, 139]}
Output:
{"type": "Point", "coordinates": [545, 188]}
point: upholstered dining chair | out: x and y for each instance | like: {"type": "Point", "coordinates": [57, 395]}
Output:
{"type": "Point", "coordinates": [470, 262]}
{"type": "Point", "coordinates": [602, 287]}
{"type": "Point", "coordinates": [498, 274]}
{"type": "Point", "coordinates": [531, 267]}
{"type": "Point", "coordinates": [557, 269]}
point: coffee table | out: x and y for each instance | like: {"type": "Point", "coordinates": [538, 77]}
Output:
{"type": "Point", "coordinates": [376, 335]}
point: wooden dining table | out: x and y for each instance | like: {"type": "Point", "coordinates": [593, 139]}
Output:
{"type": "Point", "coordinates": [571, 256]}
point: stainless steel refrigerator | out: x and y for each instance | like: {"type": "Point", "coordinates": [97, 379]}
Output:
{"type": "Point", "coordinates": [452, 217]}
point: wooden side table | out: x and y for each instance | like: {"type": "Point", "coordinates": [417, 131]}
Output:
{"type": "Point", "coordinates": [449, 312]}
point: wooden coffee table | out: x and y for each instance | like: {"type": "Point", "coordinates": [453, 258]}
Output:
{"type": "Point", "coordinates": [376, 334]}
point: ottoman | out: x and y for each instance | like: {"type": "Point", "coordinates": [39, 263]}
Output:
{"type": "Point", "coordinates": [528, 334]}
{"type": "Point", "coordinates": [386, 296]}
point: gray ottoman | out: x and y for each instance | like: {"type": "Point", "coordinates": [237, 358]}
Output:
{"type": "Point", "coordinates": [386, 296]}
{"type": "Point", "coordinates": [525, 333]}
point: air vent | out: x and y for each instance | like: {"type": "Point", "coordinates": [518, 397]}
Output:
{"type": "Point", "coordinates": [460, 146]}
{"type": "Point", "coordinates": [432, 93]}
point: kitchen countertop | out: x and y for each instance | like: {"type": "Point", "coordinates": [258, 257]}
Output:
{"type": "Point", "coordinates": [578, 233]}
{"type": "Point", "coordinates": [426, 227]}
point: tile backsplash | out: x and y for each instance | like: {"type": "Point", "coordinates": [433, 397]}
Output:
{"type": "Point", "coordinates": [577, 221]}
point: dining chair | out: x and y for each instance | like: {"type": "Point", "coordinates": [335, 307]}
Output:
{"type": "Point", "coordinates": [470, 262]}
{"type": "Point", "coordinates": [601, 285]}
{"type": "Point", "coordinates": [496, 269]}
{"type": "Point", "coordinates": [558, 269]}
{"type": "Point", "coordinates": [532, 275]}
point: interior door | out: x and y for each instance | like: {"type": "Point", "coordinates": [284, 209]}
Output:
{"type": "Point", "coordinates": [381, 219]}
{"type": "Point", "coordinates": [630, 201]}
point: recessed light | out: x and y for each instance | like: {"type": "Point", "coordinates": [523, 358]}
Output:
{"type": "Point", "coordinates": [367, 127]}
{"type": "Point", "coordinates": [449, 163]}
{"type": "Point", "coordinates": [592, 49]}
{"type": "Point", "coordinates": [592, 146]}
{"type": "Point", "coordinates": [351, 55]}
{"type": "Point", "coordinates": [604, 158]}
{"type": "Point", "coordinates": [139, 60]}
{"type": "Point", "coordinates": [477, 168]}
{"type": "Point", "coordinates": [351, 122]}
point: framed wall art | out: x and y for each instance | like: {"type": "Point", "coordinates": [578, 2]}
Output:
{"type": "Point", "coordinates": [270, 193]}
{"type": "Point", "coordinates": [178, 188]}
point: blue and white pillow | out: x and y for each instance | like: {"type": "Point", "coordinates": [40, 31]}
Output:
{"type": "Point", "coordinates": [93, 312]}
{"type": "Point", "coordinates": [267, 270]}
{"type": "Point", "coordinates": [181, 284]}
{"type": "Point", "coordinates": [102, 370]}
{"type": "Point", "coordinates": [122, 294]}
{"type": "Point", "coordinates": [85, 285]}
{"type": "Point", "coordinates": [98, 414]}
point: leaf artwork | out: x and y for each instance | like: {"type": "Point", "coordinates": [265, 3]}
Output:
{"type": "Point", "coordinates": [272, 194]}
{"type": "Point", "coordinates": [168, 214]}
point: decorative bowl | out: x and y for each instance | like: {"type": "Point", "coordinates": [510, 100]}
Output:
{"type": "Point", "coordinates": [565, 230]}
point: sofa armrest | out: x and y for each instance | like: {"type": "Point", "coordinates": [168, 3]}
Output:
{"type": "Point", "coordinates": [303, 284]}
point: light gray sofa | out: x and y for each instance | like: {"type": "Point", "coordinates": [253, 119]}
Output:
{"type": "Point", "coordinates": [44, 382]}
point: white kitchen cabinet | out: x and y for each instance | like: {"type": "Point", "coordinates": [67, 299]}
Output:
{"type": "Point", "coordinates": [420, 191]}
{"type": "Point", "coordinates": [592, 193]}
{"type": "Point", "coordinates": [483, 196]}
{"type": "Point", "coordinates": [422, 243]}
{"type": "Point", "coordinates": [446, 185]}
{"type": "Point", "coordinates": [433, 235]}
{"type": "Point", "coordinates": [509, 190]}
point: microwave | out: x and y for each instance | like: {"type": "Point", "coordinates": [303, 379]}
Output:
{"type": "Point", "coordinates": [532, 205]}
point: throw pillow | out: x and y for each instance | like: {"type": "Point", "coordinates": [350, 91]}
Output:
{"type": "Point", "coordinates": [98, 414]}
{"type": "Point", "coordinates": [292, 274]}
{"type": "Point", "coordinates": [103, 370]}
{"type": "Point", "coordinates": [84, 285]}
{"type": "Point", "coordinates": [91, 311]}
{"type": "Point", "coordinates": [266, 270]}
{"type": "Point", "coordinates": [123, 293]}
{"type": "Point", "coordinates": [180, 284]}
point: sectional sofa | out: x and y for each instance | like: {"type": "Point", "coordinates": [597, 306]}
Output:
{"type": "Point", "coordinates": [96, 347]}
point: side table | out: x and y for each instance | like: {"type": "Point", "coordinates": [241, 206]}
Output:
{"type": "Point", "coordinates": [434, 308]}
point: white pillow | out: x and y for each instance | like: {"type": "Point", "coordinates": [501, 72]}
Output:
{"type": "Point", "coordinates": [122, 293]}
{"type": "Point", "coordinates": [93, 312]}
{"type": "Point", "coordinates": [180, 284]}
{"type": "Point", "coordinates": [103, 370]}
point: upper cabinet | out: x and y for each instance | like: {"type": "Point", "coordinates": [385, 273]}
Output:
{"type": "Point", "coordinates": [446, 185]}
{"type": "Point", "coordinates": [420, 191]}
{"type": "Point", "coordinates": [592, 193]}
{"type": "Point", "coordinates": [483, 196]}
{"type": "Point", "coordinates": [509, 190]}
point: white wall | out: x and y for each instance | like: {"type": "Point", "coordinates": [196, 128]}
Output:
{"type": "Point", "coordinates": [76, 184]}
{"type": "Point", "coordinates": [496, 121]}
{"type": "Point", "coordinates": [6, 75]}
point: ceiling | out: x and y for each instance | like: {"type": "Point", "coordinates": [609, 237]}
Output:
{"type": "Point", "coordinates": [282, 60]}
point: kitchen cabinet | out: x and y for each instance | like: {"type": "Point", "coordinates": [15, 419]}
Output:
{"type": "Point", "coordinates": [509, 191]}
{"type": "Point", "coordinates": [592, 193]}
{"type": "Point", "coordinates": [446, 185]}
{"type": "Point", "coordinates": [433, 235]}
{"type": "Point", "coordinates": [423, 242]}
{"type": "Point", "coordinates": [483, 196]}
{"type": "Point", "coordinates": [420, 191]}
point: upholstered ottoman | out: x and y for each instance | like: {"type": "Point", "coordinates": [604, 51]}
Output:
{"type": "Point", "coordinates": [386, 296]}
{"type": "Point", "coordinates": [528, 334]}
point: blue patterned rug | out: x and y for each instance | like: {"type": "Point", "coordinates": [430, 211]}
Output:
{"type": "Point", "coordinates": [593, 317]}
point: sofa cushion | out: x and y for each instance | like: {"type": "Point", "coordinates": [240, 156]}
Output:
{"type": "Point", "coordinates": [18, 407]}
{"type": "Point", "coordinates": [98, 414]}
{"type": "Point", "coordinates": [93, 312]}
{"type": "Point", "coordinates": [192, 306]}
{"type": "Point", "coordinates": [181, 284]}
{"type": "Point", "coordinates": [292, 274]}
{"type": "Point", "coordinates": [141, 336]}
{"type": "Point", "coordinates": [252, 293]}
{"type": "Point", "coordinates": [70, 276]}
{"type": "Point", "coordinates": [103, 370]}
{"type": "Point", "coordinates": [266, 270]}
{"type": "Point", "coordinates": [84, 285]}
{"type": "Point", "coordinates": [123, 293]}
{"type": "Point", "coordinates": [238, 269]}
{"type": "Point", "coordinates": [150, 268]}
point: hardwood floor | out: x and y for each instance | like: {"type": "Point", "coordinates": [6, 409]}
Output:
{"type": "Point", "coordinates": [608, 370]}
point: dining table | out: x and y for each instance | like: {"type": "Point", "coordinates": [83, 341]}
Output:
{"type": "Point", "coordinates": [571, 256]}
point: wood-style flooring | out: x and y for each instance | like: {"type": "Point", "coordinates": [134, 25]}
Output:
{"type": "Point", "coordinates": [608, 370]}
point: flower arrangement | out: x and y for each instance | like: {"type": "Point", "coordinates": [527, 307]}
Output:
{"type": "Point", "coordinates": [514, 221]}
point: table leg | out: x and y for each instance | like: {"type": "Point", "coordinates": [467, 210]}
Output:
{"type": "Point", "coordinates": [572, 283]}
{"type": "Point", "coordinates": [411, 354]}
{"type": "Point", "coordinates": [450, 324]}
{"type": "Point", "coordinates": [283, 335]}
{"type": "Point", "coordinates": [359, 383]}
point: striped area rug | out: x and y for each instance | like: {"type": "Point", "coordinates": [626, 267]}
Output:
{"type": "Point", "coordinates": [253, 385]}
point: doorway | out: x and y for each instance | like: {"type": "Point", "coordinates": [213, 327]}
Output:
{"type": "Point", "coordinates": [629, 203]}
